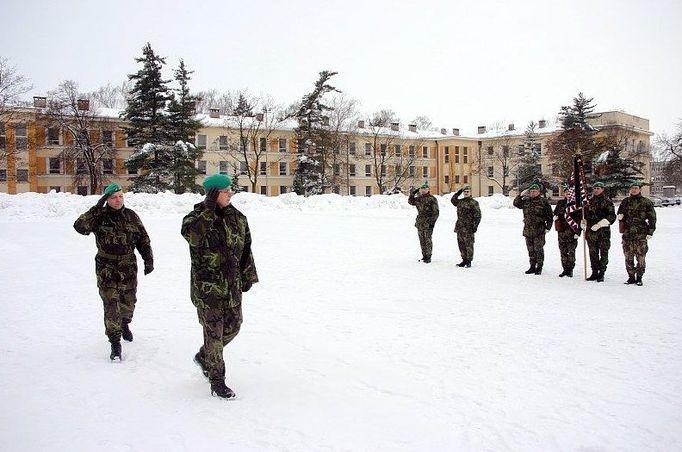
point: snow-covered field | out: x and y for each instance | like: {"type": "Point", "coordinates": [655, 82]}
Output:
{"type": "Point", "coordinates": [348, 342]}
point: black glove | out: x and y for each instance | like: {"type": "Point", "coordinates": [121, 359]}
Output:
{"type": "Point", "coordinates": [246, 286]}
{"type": "Point", "coordinates": [413, 191]}
{"type": "Point", "coordinates": [458, 192]}
{"type": "Point", "coordinates": [211, 199]}
{"type": "Point", "coordinates": [148, 268]}
{"type": "Point", "coordinates": [103, 200]}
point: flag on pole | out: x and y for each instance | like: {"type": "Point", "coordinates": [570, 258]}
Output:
{"type": "Point", "coordinates": [577, 192]}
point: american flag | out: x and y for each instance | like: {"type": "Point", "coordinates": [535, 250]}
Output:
{"type": "Point", "coordinates": [577, 192]}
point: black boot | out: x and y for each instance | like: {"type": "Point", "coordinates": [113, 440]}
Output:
{"type": "Point", "coordinates": [126, 334]}
{"type": "Point", "coordinates": [631, 279]}
{"type": "Point", "coordinates": [201, 362]}
{"type": "Point", "coordinates": [219, 389]}
{"type": "Point", "coordinates": [538, 270]}
{"type": "Point", "coordinates": [427, 260]}
{"type": "Point", "coordinates": [563, 273]}
{"type": "Point", "coordinates": [600, 276]}
{"type": "Point", "coordinates": [531, 270]}
{"type": "Point", "coordinates": [569, 273]}
{"type": "Point", "coordinates": [462, 264]}
{"type": "Point", "coordinates": [115, 350]}
{"type": "Point", "coordinates": [467, 264]}
{"type": "Point", "coordinates": [593, 276]}
{"type": "Point", "coordinates": [639, 279]}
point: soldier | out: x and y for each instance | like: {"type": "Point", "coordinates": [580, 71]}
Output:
{"type": "Point", "coordinates": [118, 232]}
{"type": "Point", "coordinates": [599, 216]}
{"type": "Point", "coordinates": [637, 219]}
{"type": "Point", "coordinates": [537, 221]}
{"type": "Point", "coordinates": [427, 208]}
{"type": "Point", "coordinates": [222, 268]}
{"type": "Point", "coordinates": [468, 219]}
{"type": "Point", "coordinates": [568, 238]}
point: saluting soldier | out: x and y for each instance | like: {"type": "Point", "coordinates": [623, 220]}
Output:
{"type": "Point", "coordinates": [468, 219]}
{"type": "Point", "coordinates": [427, 214]}
{"type": "Point", "coordinates": [537, 221]}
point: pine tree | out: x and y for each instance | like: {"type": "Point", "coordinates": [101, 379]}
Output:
{"type": "Point", "coordinates": [615, 167]}
{"type": "Point", "coordinates": [313, 138]}
{"type": "Point", "coordinates": [181, 130]}
{"type": "Point", "coordinates": [147, 100]}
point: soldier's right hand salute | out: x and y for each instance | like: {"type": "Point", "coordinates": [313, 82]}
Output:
{"type": "Point", "coordinates": [211, 198]}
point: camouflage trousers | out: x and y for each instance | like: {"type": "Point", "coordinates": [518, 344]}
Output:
{"type": "Point", "coordinates": [119, 306]}
{"type": "Point", "coordinates": [635, 249]}
{"type": "Point", "coordinates": [220, 325]}
{"type": "Point", "coordinates": [425, 241]}
{"type": "Point", "coordinates": [465, 241]}
{"type": "Point", "coordinates": [567, 246]}
{"type": "Point", "coordinates": [536, 249]}
{"type": "Point", "coordinates": [599, 244]}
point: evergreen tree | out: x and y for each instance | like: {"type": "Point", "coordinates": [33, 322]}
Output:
{"type": "Point", "coordinates": [314, 138]}
{"type": "Point", "coordinates": [181, 130]}
{"type": "Point", "coordinates": [615, 167]}
{"type": "Point", "coordinates": [146, 113]}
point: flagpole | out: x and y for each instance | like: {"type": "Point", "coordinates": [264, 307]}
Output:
{"type": "Point", "coordinates": [584, 245]}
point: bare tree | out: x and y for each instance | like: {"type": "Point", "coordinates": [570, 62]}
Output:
{"type": "Point", "coordinates": [111, 96]}
{"type": "Point", "coordinates": [671, 149]}
{"type": "Point", "coordinates": [85, 145]}
{"type": "Point", "coordinates": [342, 126]}
{"type": "Point", "coordinates": [500, 158]}
{"type": "Point", "coordinates": [225, 102]}
{"type": "Point", "coordinates": [12, 86]}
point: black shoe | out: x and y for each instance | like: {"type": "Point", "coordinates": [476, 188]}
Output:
{"type": "Point", "coordinates": [201, 362]}
{"type": "Point", "coordinates": [563, 273]}
{"type": "Point", "coordinates": [531, 270]}
{"type": "Point", "coordinates": [600, 276]}
{"type": "Point", "coordinates": [593, 276]}
{"type": "Point", "coordinates": [126, 334]}
{"type": "Point", "coordinates": [115, 351]}
{"type": "Point", "coordinates": [569, 273]}
{"type": "Point", "coordinates": [462, 264]}
{"type": "Point", "coordinates": [426, 260]}
{"type": "Point", "coordinates": [538, 270]}
{"type": "Point", "coordinates": [631, 280]}
{"type": "Point", "coordinates": [219, 389]}
{"type": "Point", "coordinates": [468, 264]}
{"type": "Point", "coordinates": [639, 280]}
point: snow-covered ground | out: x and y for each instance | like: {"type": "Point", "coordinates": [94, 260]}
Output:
{"type": "Point", "coordinates": [348, 342]}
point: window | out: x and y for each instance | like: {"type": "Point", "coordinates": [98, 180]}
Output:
{"type": "Point", "coordinates": [22, 175]}
{"type": "Point", "coordinates": [413, 171]}
{"type": "Point", "coordinates": [491, 171]}
{"type": "Point", "coordinates": [80, 166]}
{"type": "Point", "coordinates": [465, 179]}
{"type": "Point", "coordinates": [2, 135]}
{"type": "Point", "coordinates": [588, 167]}
{"type": "Point", "coordinates": [521, 149]}
{"type": "Point", "coordinates": [505, 151]}
{"type": "Point", "coordinates": [447, 180]}
{"type": "Point", "coordinates": [351, 169]}
{"type": "Point", "coordinates": [368, 170]}
{"type": "Point", "coordinates": [53, 136]}
{"type": "Point", "coordinates": [300, 146]}
{"type": "Point", "coordinates": [368, 149]}
{"type": "Point", "coordinates": [107, 137]}
{"type": "Point", "coordinates": [336, 189]}
{"type": "Point", "coordinates": [243, 144]}
{"type": "Point", "coordinates": [506, 171]}
{"type": "Point", "coordinates": [3, 175]}
{"type": "Point", "coordinates": [425, 152]}
{"type": "Point", "coordinates": [353, 190]}
{"type": "Point", "coordinates": [282, 144]}
{"type": "Point", "coordinates": [555, 191]}
{"type": "Point", "coordinates": [108, 166]}
{"type": "Point", "coordinates": [490, 150]}
{"type": "Point", "coordinates": [223, 143]}
{"type": "Point", "coordinates": [466, 155]}
{"type": "Point", "coordinates": [244, 188]}
{"type": "Point", "coordinates": [56, 188]}
{"type": "Point", "coordinates": [491, 190]}
{"type": "Point", "coordinates": [263, 168]}
{"type": "Point", "coordinates": [425, 171]}
{"type": "Point", "coordinates": [446, 157]}
{"type": "Point", "coordinates": [351, 148]}
{"type": "Point", "coordinates": [263, 144]}
{"type": "Point", "coordinates": [201, 166]}
{"type": "Point", "coordinates": [132, 171]}
{"type": "Point", "coordinates": [21, 137]}
{"type": "Point", "coordinates": [201, 141]}
{"type": "Point", "coordinates": [383, 170]}
{"type": "Point", "coordinates": [222, 165]}
{"type": "Point", "coordinates": [383, 150]}
{"type": "Point", "coordinates": [368, 191]}
{"type": "Point", "coordinates": [411, 151]}
{"type": "Point", "coordinates": [55, 165]}
{"type": "Point", "coordinates": [457, 179]}
{"type": "Point", "coordinates": [82, 190]}
{"type": "Point", "coordinates": [555, 169]}
{"type": "Point", "coordinates": [243, 170]}
{"type": "Point", "coordinates": [263, 190]}
{"type": "Point", "coordinates": [456, 154]}
{"type": "Point", "coordinates": [282, 168]}
{"type": "Point", "coordinates": [282, 189]}
{"type": "Point", "coordinates": [337, 169]}
{"type": "Point", "coordinates": [398, 150]}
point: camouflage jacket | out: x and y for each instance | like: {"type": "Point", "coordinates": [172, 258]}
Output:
{"type": "Point", "coordinates": [639, 217]}
{"type": "Point", "coordinates": [427, 210]}
{"type": "Point", "coordinates": [468, 214]}
{"type": "Point", "coordinates": [220, 250]}
{"type": "Point", "coordinates": [560, 212]}
{"type": "Point", "coordinates": [117, 233]}
{"type": "Point", "coordinates": [599, 208]}
{"type": "Point", "coordinates": [537, 215]}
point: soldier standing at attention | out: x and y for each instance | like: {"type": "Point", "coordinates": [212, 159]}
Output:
{"type": "Point", "coordinates": [468, 219]}
{"type": "Point", "coordinates": [427, 208]}
{"type": "Point", "coordinates": [638, 222]}
{"type": "Point", "coordinates": [599, 216]}
{"type": "Point", "coordinates": [118, 232]}
{"type": "Point", "coordinates": [568, 238]}
{"type": "Point", "coordinates": [222, 269]}
{"type": "Point", "coordinates": [537, 221]}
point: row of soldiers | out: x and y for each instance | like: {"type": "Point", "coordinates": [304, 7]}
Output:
{"type": "Point", "coordinates": [636, 217]}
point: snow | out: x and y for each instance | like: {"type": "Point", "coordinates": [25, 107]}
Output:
{"type": "Point", "coordinates": [348, 342]}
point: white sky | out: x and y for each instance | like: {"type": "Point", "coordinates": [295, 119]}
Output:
{"type": "Point", "coordinates": [462, 63]}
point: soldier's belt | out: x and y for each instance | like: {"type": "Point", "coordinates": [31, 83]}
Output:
{"type": "Point", "coordinates": [116, 257]}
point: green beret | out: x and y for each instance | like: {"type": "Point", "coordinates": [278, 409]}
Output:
{"type": "Point", "coordinates": [219, 181]}
{"type": "Point", "coordinates": [425, 184]}
{"type": "Point", "coordinates": [598, 185]}
{"type": "Point", "coordinates": [534, 187]}
{"type": "Point", "coordinates": [111, 189]}
{"type": "Point", "coordinates": [636, 184]}
{"type": "Point", "coordinates": [466, 188]}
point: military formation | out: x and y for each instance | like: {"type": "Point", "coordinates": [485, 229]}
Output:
{"type": "Point", "coordinates": [223, 267]}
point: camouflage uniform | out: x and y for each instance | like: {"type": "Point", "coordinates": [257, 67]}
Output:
{"type": "Point", "coordinates": [468, 219]}
{"type": "Point", "coordinates": [567, 236]}
{"type": "Point", "coordinates": [639, 221]}
{"type": "Point", "coordinates": [117, 234]}
{"type": "Point", "coordinates": [427, 208]}
{"type": "Point", "coordinates": [537, 220]}
{"type": "Point", "coordinates": [599, 241]}
{"type": "Point", "coordinates": [222, 268]}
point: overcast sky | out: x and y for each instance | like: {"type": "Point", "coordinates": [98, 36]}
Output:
{"type": "Point", "coordinates": [463, 63]}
